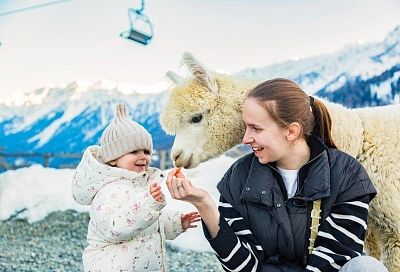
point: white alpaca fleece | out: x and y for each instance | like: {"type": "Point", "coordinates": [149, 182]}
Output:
{"type": "Point", "coordinates": [192, 97]}
{"type": "Point", "coordinates": [372, 135]}
{"type": "Point", "coordinates": [127, 229]}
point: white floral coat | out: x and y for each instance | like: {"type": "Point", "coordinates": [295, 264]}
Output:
{"type": "Point", "coordinates": [127, 230]}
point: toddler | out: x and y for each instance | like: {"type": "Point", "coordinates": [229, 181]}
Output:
{"type": "Point", "coordinates": [127, 230]}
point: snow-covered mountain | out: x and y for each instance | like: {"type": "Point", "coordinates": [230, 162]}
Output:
{"type": "Point", "coordinates": [69, 118]}
{"type": "Point", "coordinates": [358, 75]}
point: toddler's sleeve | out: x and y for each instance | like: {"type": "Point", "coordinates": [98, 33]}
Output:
{"type": "Point", "coordinates": [172, 223]}
{"type": "Point", "coordinates": [121, 212]}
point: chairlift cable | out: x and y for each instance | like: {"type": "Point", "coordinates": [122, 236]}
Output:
{"type": "Point", "coordinates": [141, 8]}
{"type": "Point", "coordinates": [33, 7]}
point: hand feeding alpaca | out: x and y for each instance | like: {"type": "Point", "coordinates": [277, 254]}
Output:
{"type": "Point", "coordinates": [204, 112]}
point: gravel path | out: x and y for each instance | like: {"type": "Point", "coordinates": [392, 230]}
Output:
{"type": "Point", "coordinates": [56, 244]}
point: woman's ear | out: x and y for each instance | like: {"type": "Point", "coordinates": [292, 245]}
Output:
{"type": "Point", "coordinates": [294, 131]}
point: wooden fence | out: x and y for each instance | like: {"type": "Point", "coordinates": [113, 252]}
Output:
{"type": "Point", "coordinates": [45, 158]}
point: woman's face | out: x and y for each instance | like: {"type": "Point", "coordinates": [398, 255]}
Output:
{"type": "Point", "coordinates": [267, 139]}
{"type": "Point", "coordinates": [137, 161]}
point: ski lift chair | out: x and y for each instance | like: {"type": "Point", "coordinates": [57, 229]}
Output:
{"type": "Point", "coordinates": [141, 29]}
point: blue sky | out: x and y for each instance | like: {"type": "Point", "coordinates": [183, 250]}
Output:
{"type": "Point", "coordinates": [79, 39]}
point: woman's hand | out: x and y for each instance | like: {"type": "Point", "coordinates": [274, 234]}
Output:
{"type": "Point", "coordinates": [181, 188]}
{"type": "Point", "coordinates": [189, 219]}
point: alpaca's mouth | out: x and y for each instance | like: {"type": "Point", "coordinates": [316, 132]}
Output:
{"type": "Point", "coordinates": [184, 163]}
{"type": "Point", "coordinates": [189, 162]}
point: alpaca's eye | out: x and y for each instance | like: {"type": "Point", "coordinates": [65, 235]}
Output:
{"type": "Point", "coordinates": [196, 118]}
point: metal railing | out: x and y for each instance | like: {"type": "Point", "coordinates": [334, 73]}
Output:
{"type": "Point", "coordinates": [45, 158]}
{"type": "Point", "coordinates": [164, 161]}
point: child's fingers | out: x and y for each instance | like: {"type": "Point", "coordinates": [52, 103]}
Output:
{"type": "Point", "coordinates": [197, 217]}
{"type": "Point", "coordinates": [159, 197]}
{"type": "Point", "coordinates": [154, 190]}
{"type": "Point", "coordinates": [156, 194]}
{"type": "Point", "coordinates": [159, 192]}
{"type": "Point", "coordinates": [154, 186]}
{"type": "Point", "coordinates": [192, 226]}
{"type": "Point", "coordinates": [195, 220]}
{"type": "Point", "coordinates": [192, 213]}
{"type": "Point", "coordinates": [191, 216]}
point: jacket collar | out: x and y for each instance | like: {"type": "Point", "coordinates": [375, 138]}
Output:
{"type": "Point", "coordinates": [91, 175]}
{"type": "Point", "coordinates": [261, 184]}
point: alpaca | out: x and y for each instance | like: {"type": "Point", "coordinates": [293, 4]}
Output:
{"type": "Point", "coordinates": [204, 114]}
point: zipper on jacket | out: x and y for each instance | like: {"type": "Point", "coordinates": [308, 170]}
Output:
{"type": "Point", "coordinates": [305, 179]}
{"type": "Point", "coordinates": [282, 184]}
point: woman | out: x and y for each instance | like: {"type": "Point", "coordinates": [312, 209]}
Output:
{"type": "Point", "coordinates": [294, 185]}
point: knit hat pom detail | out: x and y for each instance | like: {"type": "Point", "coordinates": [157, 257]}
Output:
{"type": "Point", "coordinates": [121, 111]}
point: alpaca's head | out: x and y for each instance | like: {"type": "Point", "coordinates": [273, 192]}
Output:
{"type": "Point", "coordinates": [204, 113]}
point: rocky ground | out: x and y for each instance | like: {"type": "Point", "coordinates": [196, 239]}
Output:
{"type": "Point", "coordinates": [56, 244]}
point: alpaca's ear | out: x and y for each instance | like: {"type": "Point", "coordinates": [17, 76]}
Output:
{"type": "Point", "coordinates": [174, 77]}
{"type": "Point", "coordinates": [200, 72]}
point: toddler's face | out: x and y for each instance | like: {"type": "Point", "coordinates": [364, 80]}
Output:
{"type": "Point", "coordinates": [137, 161]}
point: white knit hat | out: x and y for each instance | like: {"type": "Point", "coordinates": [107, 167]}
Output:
{"type": "Point", "coordinates": [123, 136]}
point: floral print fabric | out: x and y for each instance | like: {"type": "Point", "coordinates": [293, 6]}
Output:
{"type": "Point", "coordinates": [127, 229]}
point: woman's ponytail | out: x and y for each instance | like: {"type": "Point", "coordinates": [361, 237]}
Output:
{"type": "Point", "coordinates": [322, 122]}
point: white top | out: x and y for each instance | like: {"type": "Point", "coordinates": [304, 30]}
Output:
{"type": "Point", "coordinates": [290, 179]}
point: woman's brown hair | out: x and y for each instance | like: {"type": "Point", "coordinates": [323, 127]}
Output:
{"type": "Point", "coordinates": [289, 104]}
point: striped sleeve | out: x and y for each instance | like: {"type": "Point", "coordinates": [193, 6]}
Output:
{"type": "Point", "coordinates": [234, 245]}
{"type": "Point", "coordinates": [341, 236]}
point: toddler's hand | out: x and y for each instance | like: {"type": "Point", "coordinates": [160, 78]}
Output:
{"type": "Point", "coordinates": [189, 219]}
{"type": "Point", "coordinates": [156, 193]}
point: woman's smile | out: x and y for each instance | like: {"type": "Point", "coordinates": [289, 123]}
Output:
{"type": "Point", "coordinates": [257, 151]}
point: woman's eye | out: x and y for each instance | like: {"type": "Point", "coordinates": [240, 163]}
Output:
{"type": "Point", "coordinates": [196, 118]}
{"type": "Point", "coordinates": [147, 152]}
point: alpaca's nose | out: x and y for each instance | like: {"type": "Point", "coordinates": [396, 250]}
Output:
{"type": "Point", "coordinates": [176, 155]}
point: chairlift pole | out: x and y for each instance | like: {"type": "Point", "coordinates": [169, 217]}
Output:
{"type": "Point", "coordinates": [141, 7]}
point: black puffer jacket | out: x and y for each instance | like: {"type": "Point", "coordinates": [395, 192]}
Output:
{"type": "Point", "coordinates": [260, 228]}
